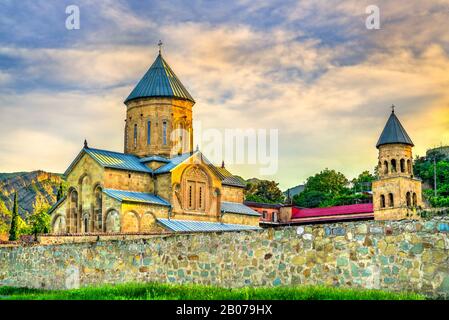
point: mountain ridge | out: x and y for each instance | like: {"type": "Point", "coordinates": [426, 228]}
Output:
{"type": "Point", "coordinates": [31, 187]}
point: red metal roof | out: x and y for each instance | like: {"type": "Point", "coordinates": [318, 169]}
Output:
{"type": "Point", "coordinates": [298, 213]}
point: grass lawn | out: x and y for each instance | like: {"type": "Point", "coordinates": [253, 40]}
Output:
{"type": "Point", "coordinates": [157, 291]}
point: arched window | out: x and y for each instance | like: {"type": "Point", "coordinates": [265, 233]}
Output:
{"type": "Point", "coordinates": [402, 165]}
{"type": "Point", "coordinates": [409, 199]}
{"type": "Point", "coordinates": [390, 200]}
{"type": "Point", "coordinates": [98, 208]}
{"type": "Point", "coordinates": [164, 132]}
{"type": "Point", "coordinates": [409, 166]}
{"type": "Point", "coordinates": [149, 132]}
{"type": "Point", "coordinates": [180, 135]}
{"type": "Point", "coordinates": [415, 199]}
{"type": "Point", "coordinates": [385, 167]}
{"type": "Point", "coordinates": [135, 136]}
{"type": "Point", "coordinates": [195, 186]}
{"type": "Point", "coordinates": [73, 212]}
{"type": "Point", "coordinates": [86, 224]}
{"type": "Point", "coordinates": [393, 166]}
{"type": "Point", "coordinates": [382, 201]}
{"type": "Point", "coordinates": [112, 221]}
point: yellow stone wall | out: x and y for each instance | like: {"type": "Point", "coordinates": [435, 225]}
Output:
{"type": "Point", "coordinates": [157, 110]}
{"type": "Point", "coordinates": [139, 217]}
{"type": "Point", "coordinates": [128, 180]}
{"type": "Point", "coordinates": [241, 219]}
{"type": "Point", "coordinates": [85, 166]}
{"type": "Point", "coordinates": [232, 194]}
{"type": "Point", "coordinates": [163, 186]}
{"type": "Point", "coordinates": [177, 192]}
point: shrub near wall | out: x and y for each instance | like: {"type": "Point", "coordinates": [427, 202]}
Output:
{"type": "Point", "coordinates": [395, 256]}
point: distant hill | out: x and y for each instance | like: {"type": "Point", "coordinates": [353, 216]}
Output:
{"type": "Point", "coordinates": [294, 190]}
{"type": "Point", "coordinates": [29, 187]}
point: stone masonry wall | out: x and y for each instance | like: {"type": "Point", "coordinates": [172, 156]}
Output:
{"type": "Point", "coordinates": [394, 256]}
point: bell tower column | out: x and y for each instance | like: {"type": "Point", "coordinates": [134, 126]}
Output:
{"type": "Point", "coordinates": [396, 194]}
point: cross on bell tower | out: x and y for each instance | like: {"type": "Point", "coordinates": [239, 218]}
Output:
{"type": "Point", "coordinates": [160, 46]}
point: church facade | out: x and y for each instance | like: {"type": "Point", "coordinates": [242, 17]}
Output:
{"type": "Point", "coordinates": [397, 194]}
{"type": "Point", "coordinates": [159, 183]}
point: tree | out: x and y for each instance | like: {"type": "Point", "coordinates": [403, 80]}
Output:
{"type": "Point", "coordinates": [329, 188]}
{"type": "Point", "coordinates": [264, 191]}
{"type": "Point", "coordinates": [39, 221]}
{"type": "Point", "coordinates": [327, 181]}
{"type": "Point", "coordinates": [14, 230]}
{"type": "Point", "coordinates": [61, 191]}
{"type": "Point", "coordinates": [59, 195]}
{"type": "Point", "coordinates": [363, 182]}
{"type": "Point", "coordinates": [424, 169]}
{"type": "Point", "coordinates": [310, 198]}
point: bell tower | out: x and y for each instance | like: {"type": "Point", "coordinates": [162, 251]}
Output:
{"type": "Point", "coordinates": [159, 114]}
{"type": "Point", "coordinates": [397, 193]}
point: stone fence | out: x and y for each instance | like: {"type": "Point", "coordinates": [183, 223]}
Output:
{"type": "Point", "coordinates": [394, 256]}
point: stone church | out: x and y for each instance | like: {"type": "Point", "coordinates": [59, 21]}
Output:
{"type": "Point", "coordinates": [160, 183]}
{"type": "Point", "coordinates": [397, 193]}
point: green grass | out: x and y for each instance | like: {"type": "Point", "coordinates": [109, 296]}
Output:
{"type": "Point", "coordinates": [156, 291]}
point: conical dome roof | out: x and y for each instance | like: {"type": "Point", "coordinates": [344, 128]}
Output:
{"type": "Point", "coordinates": [394, 133]}
{"type": "Point", "coordinates": [160, 81]}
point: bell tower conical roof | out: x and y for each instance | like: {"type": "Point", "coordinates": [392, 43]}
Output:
{"type": "Point", "coordinates": [394, 133]}
{"type": "Point", "coordinates": [160, 81]}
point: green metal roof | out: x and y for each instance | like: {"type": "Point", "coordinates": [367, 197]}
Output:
{"type": "Point", "coordinates": [110, 159]}
{"type": "Point", "coordinates": [160, 81]}
{"type": "Point", "coordinates": [394, 133]}
{"type": "Point", "coordinates": [237, 208]}
{"type": "Point", "coordinates": [203, 226]}
{"type": "Point", "coordinates": [133, 196]}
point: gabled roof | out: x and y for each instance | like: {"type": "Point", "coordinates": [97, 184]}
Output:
{"type": "Point", "coordinates": [159, 81]}
{"type": "Point", "coordinates": [228, 178]}
{"type": "Point", "coordinates": [394, 133]}
{"type": "Point", "coordinates": [202, 226]}
{"type": "Point", "coordinates": [132, 196]}
{"type": "Point", "coordinates": [110, 159]}
{"type": "Point", "coordinates": [237, 208]}
{"type": "Point", "coordinates": [173, 162]}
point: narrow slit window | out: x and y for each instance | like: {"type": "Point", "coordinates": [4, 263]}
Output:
{"type": "Point", "coordinates": [190, 196]}
{"type": "Point", "coordinates": [164, 132]}
{"type": "Point", "coordinates": [149, 132]}
{"type": "Point", "coordinates": [135, 136]}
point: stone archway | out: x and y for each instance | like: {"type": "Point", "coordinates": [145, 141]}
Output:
{"type": "Point", "coordinates": [59, 225]}
{"type": "Point", "coordinates": [130, 222]}
{"type": "Point", "coordinates": [112, 224]}
{"type": "Point", "coordinates": [148, 222]}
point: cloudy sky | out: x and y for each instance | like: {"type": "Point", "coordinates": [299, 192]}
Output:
{"type": "Point", "coordinates": [308, 68]}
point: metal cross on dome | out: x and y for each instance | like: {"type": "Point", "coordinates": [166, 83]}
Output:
{"type": "Point", "coordinates": [160, 45]}
{"type": "Point", "coordinates": [392, 108]}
